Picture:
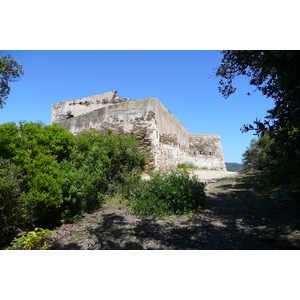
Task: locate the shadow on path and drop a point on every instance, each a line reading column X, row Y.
column 235, row 216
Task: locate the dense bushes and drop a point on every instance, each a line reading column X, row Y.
column 100, row 165
column 167, row 193
column 11, row 200
column 280, row 167
column 257, row 155
column 33, row 240
column 47, row 174
column 284, row 170
column 276, row 74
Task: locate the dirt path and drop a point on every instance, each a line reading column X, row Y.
column 232, row 218
column 210, row 176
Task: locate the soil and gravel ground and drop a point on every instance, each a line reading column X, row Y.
column 233, row 217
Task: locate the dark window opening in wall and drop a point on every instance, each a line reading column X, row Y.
column 69, row 115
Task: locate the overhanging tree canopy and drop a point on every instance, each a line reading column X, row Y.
column 10, row 71
column 276, row 74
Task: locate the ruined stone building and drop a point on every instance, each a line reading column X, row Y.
column 154, row 125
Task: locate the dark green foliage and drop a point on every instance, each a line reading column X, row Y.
column 43, row 189
column 11, row 204
column 47, row 174
column 167, row 193
column 102, row 164
column 276, row 74
column 257, row 155
column 10, row 71
column 33, row 240
column 37, row 151
column 285, row 167
column 281, row 171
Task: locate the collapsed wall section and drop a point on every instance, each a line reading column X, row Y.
column 76, row 107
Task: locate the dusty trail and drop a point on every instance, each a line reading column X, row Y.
column 232, row 218
column 210, row 176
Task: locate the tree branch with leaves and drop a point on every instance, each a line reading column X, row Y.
column 276, row 74
column 10, row 71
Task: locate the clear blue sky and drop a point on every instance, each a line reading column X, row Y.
column 181, row 80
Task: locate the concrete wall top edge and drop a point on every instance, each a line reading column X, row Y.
column 159, row 103
column 204, row 135
column 88, row 97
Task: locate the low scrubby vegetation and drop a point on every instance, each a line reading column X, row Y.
column 266, row 156
column 33, row 240
column 187, row 165
column 49, row 176
column 175, row 192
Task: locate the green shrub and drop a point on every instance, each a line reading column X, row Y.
column 47, row 174
column 43, row 190
column 187, row 165
column 102, row 165
column 11, row 204
column 167, row 193
column 277, row 155
column 33, row 240
column 257, row 155
column 182, row 166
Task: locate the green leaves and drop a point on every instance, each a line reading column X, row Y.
column 11, row 200
column 48, row 174
column 33, row 240
column 102, row 163
column 257, row 156
column 167, row 193
column 276, row 74
column 10, row 71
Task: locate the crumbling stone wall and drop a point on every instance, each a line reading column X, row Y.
column 133, row 117
column 158, row 131
column 206, row 151
column 76, row 107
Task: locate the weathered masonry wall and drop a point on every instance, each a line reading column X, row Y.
column 206, row 151
column 73, row 108
column 157, row 129
column 136, row 117
column 173, row 138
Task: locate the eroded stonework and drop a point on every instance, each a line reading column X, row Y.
column 152, row 124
